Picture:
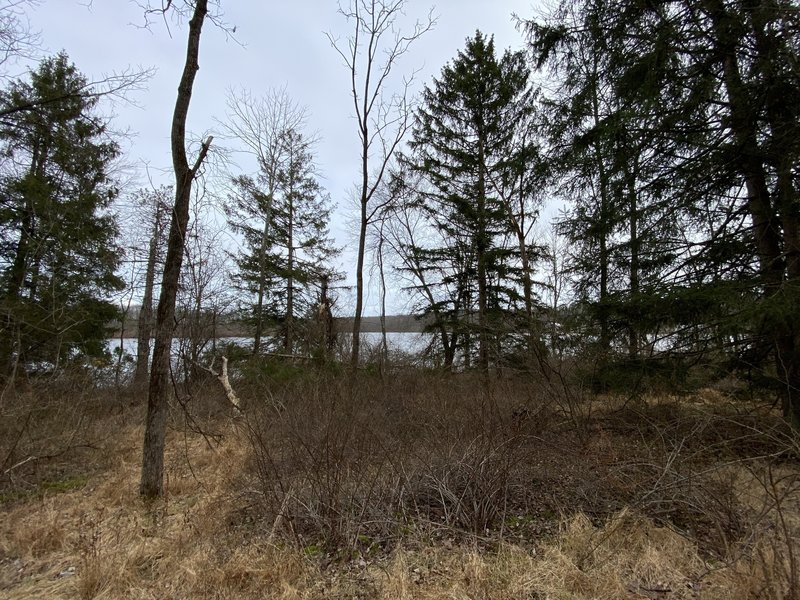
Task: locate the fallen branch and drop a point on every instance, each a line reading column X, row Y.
column 292, row 356
column 20, row 463
column 222, row 377
column 33, row 457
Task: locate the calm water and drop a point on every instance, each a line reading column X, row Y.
column 403, row 342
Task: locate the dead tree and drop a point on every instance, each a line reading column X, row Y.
column 155, row 246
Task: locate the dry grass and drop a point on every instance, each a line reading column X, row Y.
column 400, row 492
column 103, row 542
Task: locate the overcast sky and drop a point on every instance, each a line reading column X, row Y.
column 278, row 43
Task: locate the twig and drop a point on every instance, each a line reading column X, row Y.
column 280, row 518
column 20, row 463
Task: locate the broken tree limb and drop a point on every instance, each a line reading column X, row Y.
column 281, row 518
column 201, row 157
column 222, row 377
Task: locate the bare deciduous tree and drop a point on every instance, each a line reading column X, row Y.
column 370, row 54
column 203, row 295
column 18, row 40
column 433, row 289
column 151, row 207
column 16, row 37
column 556, row 274
column 519, row 192
column 152, row 480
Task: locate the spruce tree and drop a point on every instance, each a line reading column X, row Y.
column 300, row 233
column 58, row 242
column 249, row 213
column 609, row 165
column 463, row 147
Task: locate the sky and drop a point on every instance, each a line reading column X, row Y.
column 276, row 44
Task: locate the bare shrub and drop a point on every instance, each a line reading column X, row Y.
column 350, row 467
column 467, row 485
column 48, row 422
column 324, row 464
column 412, row 484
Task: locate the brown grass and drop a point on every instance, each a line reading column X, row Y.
column 418, row 487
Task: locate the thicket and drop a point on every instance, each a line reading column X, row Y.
column 340, row 474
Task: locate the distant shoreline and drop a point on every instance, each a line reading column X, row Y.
column 394, row 324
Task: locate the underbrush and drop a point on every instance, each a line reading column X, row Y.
column 411, row 485
column 53, row 432
column 415, row 460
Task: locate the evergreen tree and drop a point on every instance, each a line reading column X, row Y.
column 287, row 254
column 57, row 235
column 301, row 233
column 714, row 83
column 261, row 125
column 249, row 212
column 465, row 150
column 605, row 168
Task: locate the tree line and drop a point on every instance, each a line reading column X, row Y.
column 666, row 131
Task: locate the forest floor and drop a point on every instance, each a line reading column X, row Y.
column 412, row 489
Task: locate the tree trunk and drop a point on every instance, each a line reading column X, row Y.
column 783, row 130
column 382, row 275
column 481, row 247
column 364, row 220
column 602, row 174
column 362, row 239
column 527, row 291
column 450, row 343
column 262, row 267
column 262, row 275
column 327, row 340
column 766, row 223
column 633, row 221
column 18, row 273
column 289, row 324
column 152, row 480
column 145, row 325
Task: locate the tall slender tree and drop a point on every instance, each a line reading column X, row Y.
column 301, row 232
column 152, row 480
column 370, row 55
column 152, row 206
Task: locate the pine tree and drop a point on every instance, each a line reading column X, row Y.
column 287, row 248
column 249, row 212
column 57, row 240
column 261, row 125
column 605, row 169
column 464, row 146
column 301, row 232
